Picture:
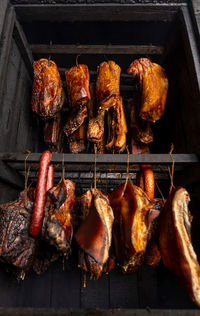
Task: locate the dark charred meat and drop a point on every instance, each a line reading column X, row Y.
column 77, row 80
column 175, row 242
column 118, row 128
column 17, row 247
column 95, row 131
column 59, row 217
column 77, row 140
column 132, row 227
column 95, row 232
column 154, row 87
column 53, row 133
column 47, row 94
column 107, row 87
column 75, row 120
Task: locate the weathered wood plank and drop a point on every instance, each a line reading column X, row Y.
column 96, row 49
column 3, row 8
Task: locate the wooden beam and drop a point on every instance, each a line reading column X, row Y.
column 97, row 49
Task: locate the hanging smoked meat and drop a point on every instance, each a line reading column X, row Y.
column 77, row 140
column 59, row 219
column 77, row 80
column 117, row 127
column 175, row 242
column 154, row 87
column 95, row 232
column 95, row 130
column 17, row 247
column 47, row 94
column 132, row 225
column 107, row 87
column 53, row 133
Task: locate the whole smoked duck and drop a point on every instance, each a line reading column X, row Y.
column 47, row 93
column 154, row 87
column 95, row 232
column 175, row 242
column 132, row 225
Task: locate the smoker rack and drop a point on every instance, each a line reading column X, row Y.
column 149, row 287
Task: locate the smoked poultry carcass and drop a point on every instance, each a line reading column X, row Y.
column 154, row 87
column 175, row 242
column 77, row 80
column 107, row 87
column 134, row 214
column 117, row 128
column 95, row 232
column 59, row 218
column 47, row 94
column 17, row 247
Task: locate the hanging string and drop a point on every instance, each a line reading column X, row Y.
column 127, row 171
column 26, row 174
column 171, row 172
column 77, row 56
column 95, row 166
column 162, row 196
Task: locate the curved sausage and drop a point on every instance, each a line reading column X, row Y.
column 50, row 177
column 40, row 194
column 149, row 181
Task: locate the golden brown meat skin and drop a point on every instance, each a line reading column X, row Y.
column 154, row 87
column 175, row 242
column 131, row 228
column 47, row 94
column 107, row 87
column 95, row 232
column 75, row 120
column 118, row 128
column 77, row 140
column 77, row 80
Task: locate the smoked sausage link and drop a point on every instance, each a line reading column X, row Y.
column 40, row 195
column 50, row 177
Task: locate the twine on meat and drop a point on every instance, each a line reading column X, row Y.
column 162, row 196
column 77, row 56
column 127, row 171
column 50, row 44
column 26, row 173
column 171, row 172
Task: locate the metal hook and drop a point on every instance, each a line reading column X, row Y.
column 50, row 44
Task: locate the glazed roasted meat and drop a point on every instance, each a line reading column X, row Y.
column 175, row 242
column 53, row 133
column 132, row 225
column 17, row 247
column 95, row 232
column 59, row 219
column 77, row 80
column 118, row 128
column 75, row 120
column 154, row 87
column 107, row 87
column 47, row 94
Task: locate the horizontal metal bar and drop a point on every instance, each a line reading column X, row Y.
column 97, row 49
column 107, row 159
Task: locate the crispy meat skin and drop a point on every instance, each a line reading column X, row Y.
column 154, row 87
column 47, row 94
column 77, row 80
column 107, row 87
column 17, row 247
column 175, row 242
column 59, row 216
column 131, row 228
column 53, row 133
column 95, row 232
column 118, row 128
